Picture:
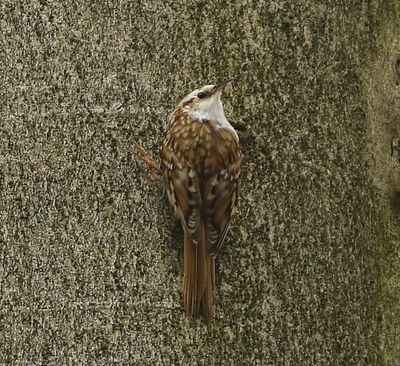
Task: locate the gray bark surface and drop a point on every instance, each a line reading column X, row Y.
column 90, row 251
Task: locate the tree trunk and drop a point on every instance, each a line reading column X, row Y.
column 91, row 255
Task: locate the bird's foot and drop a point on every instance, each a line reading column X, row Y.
column 152, row 166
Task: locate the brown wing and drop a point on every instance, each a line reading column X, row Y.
column 181, row 179
column 222, row 190
column 183, row 191
column 220, row 213
column 201, row 168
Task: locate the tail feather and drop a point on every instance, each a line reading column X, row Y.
column 198, row 282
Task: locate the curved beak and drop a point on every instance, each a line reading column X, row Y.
column 221, row 86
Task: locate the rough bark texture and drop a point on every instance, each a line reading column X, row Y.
column 91, row 254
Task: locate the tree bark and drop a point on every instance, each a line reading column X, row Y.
column 91, row 255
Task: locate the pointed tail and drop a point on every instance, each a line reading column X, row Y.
column 198, row 281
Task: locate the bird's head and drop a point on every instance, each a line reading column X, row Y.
column 205, row 102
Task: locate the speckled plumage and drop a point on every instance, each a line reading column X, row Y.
column 201, row 163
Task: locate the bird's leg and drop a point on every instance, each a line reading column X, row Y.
column 152, row 166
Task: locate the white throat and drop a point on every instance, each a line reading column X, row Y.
column 211, row 109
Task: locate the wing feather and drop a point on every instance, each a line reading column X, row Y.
column 202, row 175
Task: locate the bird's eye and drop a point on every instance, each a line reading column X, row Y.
column 201, row 95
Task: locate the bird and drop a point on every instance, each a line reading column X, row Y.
column 201, row 163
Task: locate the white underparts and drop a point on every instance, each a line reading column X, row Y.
column 211, row 109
